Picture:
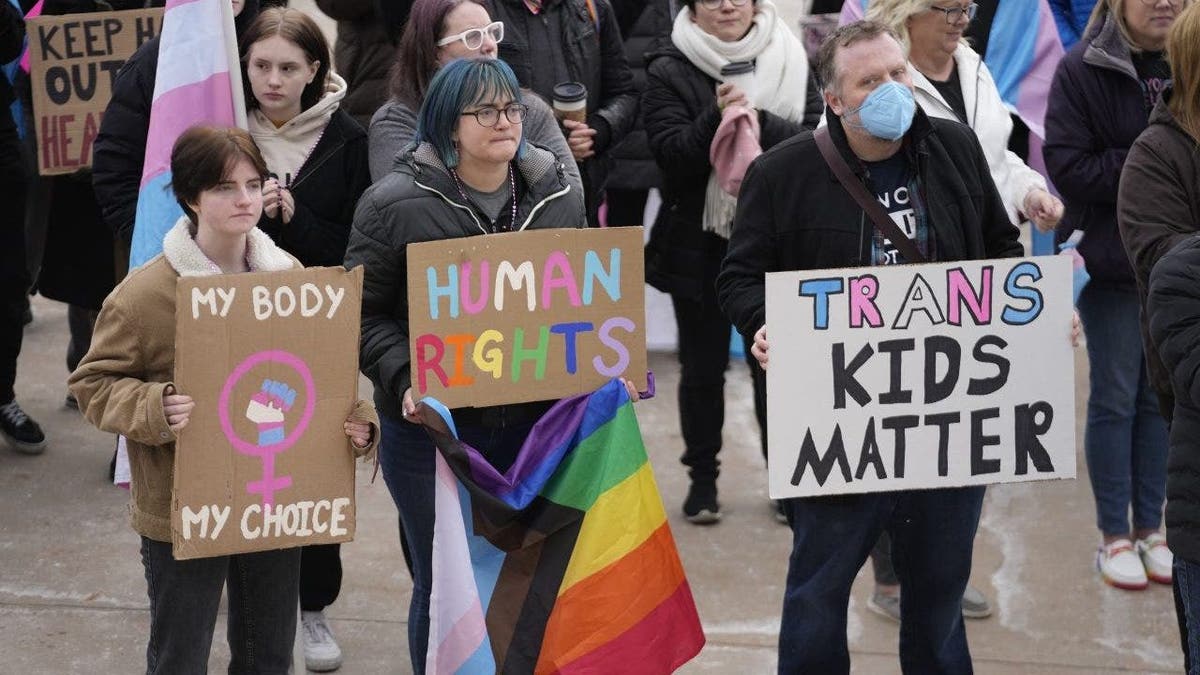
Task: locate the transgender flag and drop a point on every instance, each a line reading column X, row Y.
column 198, row 81
column 565, row 563
column 1023, row 51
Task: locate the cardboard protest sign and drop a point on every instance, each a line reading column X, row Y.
column 526, row 316
column 920, row 376
column 271, row 360
column 73, row 60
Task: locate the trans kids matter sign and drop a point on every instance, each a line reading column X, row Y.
column 271, row 360
column 920, row 376
column 526, row 316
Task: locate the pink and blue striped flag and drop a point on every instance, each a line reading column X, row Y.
column 198, row 81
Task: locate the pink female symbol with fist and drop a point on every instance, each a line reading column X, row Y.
column 268, row 408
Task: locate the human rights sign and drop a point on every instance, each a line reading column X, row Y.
column 526, row 316
column 271, row 360
column 920, row 376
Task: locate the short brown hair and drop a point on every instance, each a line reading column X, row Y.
column 297, row 28
column 844, row 36
column 203, row 156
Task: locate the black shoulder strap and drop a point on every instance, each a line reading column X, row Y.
column 869, row 204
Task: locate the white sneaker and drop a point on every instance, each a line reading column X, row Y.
column 1120, row 566
column 321, row 651
column 1156, row 557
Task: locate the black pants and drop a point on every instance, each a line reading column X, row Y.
column 320, row 576
column 184, row 598
column 81, row 321
column 14, row 276
column 703, row 358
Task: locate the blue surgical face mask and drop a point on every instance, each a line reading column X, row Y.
column 887, row 112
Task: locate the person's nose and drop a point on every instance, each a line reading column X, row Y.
column 246, row 195
column 502, row 123
column 489, row 46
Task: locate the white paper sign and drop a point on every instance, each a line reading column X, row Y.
column 920, row 376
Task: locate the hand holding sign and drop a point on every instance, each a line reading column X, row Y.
column 759, row 348
column 177, row 408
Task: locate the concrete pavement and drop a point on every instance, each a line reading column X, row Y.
column 73, row 599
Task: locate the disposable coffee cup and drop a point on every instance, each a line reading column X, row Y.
column 570, row 101
column 741, row 74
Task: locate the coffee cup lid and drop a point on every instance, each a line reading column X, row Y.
column 569, row 92
column 737, row 68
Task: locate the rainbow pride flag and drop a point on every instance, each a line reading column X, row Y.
column 566, row 563
column 198, row 81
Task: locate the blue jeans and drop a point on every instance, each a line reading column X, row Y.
column 185, row 594
column 1125, row 440
column 933, row 534
column 406, row 456
column 1186, row 580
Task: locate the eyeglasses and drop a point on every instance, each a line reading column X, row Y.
column 473, row 37
column 716, row 4
column 955, row 14
column 488, row 116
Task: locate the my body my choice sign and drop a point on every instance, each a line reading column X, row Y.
column 271, row 360
column 920, row 376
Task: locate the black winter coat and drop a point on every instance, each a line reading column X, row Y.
column 363, row 54
column 120, row 148
column 565, row 43
column 681, row 116
column 1173, row 310
column 1158, row 207
column 633, row 164
column 793, row 214
column 419, row 201
column 1095, row 112
column 326, row 191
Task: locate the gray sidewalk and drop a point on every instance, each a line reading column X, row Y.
column 73, row 600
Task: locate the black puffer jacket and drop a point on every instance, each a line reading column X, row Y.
column 326, row 190
column 1173, row 311
column 419, row 201
column 633, row 164
column 793, row 214
column 120, row 148
column 565, row 43
column 681, row 116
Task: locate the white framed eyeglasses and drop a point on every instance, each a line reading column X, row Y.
column 472, row 38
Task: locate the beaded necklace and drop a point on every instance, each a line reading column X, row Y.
column 512, row 186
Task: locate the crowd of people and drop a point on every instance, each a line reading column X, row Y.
column 441, row 119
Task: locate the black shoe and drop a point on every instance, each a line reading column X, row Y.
column 701, row 507
column 21, row 432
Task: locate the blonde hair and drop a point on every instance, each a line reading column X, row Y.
column 1183, row 53
column 895, row 14
column 1105, row 8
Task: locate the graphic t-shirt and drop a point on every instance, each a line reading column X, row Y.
column 889, row 182
column 1154, row 73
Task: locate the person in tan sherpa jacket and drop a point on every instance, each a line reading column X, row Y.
column 124, row 386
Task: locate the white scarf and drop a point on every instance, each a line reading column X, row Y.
column 780, row 74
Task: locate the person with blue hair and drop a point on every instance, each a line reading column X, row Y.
column 469, row 172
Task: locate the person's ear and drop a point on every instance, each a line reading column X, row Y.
column 833, row 102
column 312, row 70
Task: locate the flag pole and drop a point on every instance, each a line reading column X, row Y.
column 235, row 67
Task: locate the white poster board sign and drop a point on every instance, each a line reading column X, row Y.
column 920, row 376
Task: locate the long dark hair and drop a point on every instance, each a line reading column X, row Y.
column 295, row 27
column 417, row 53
